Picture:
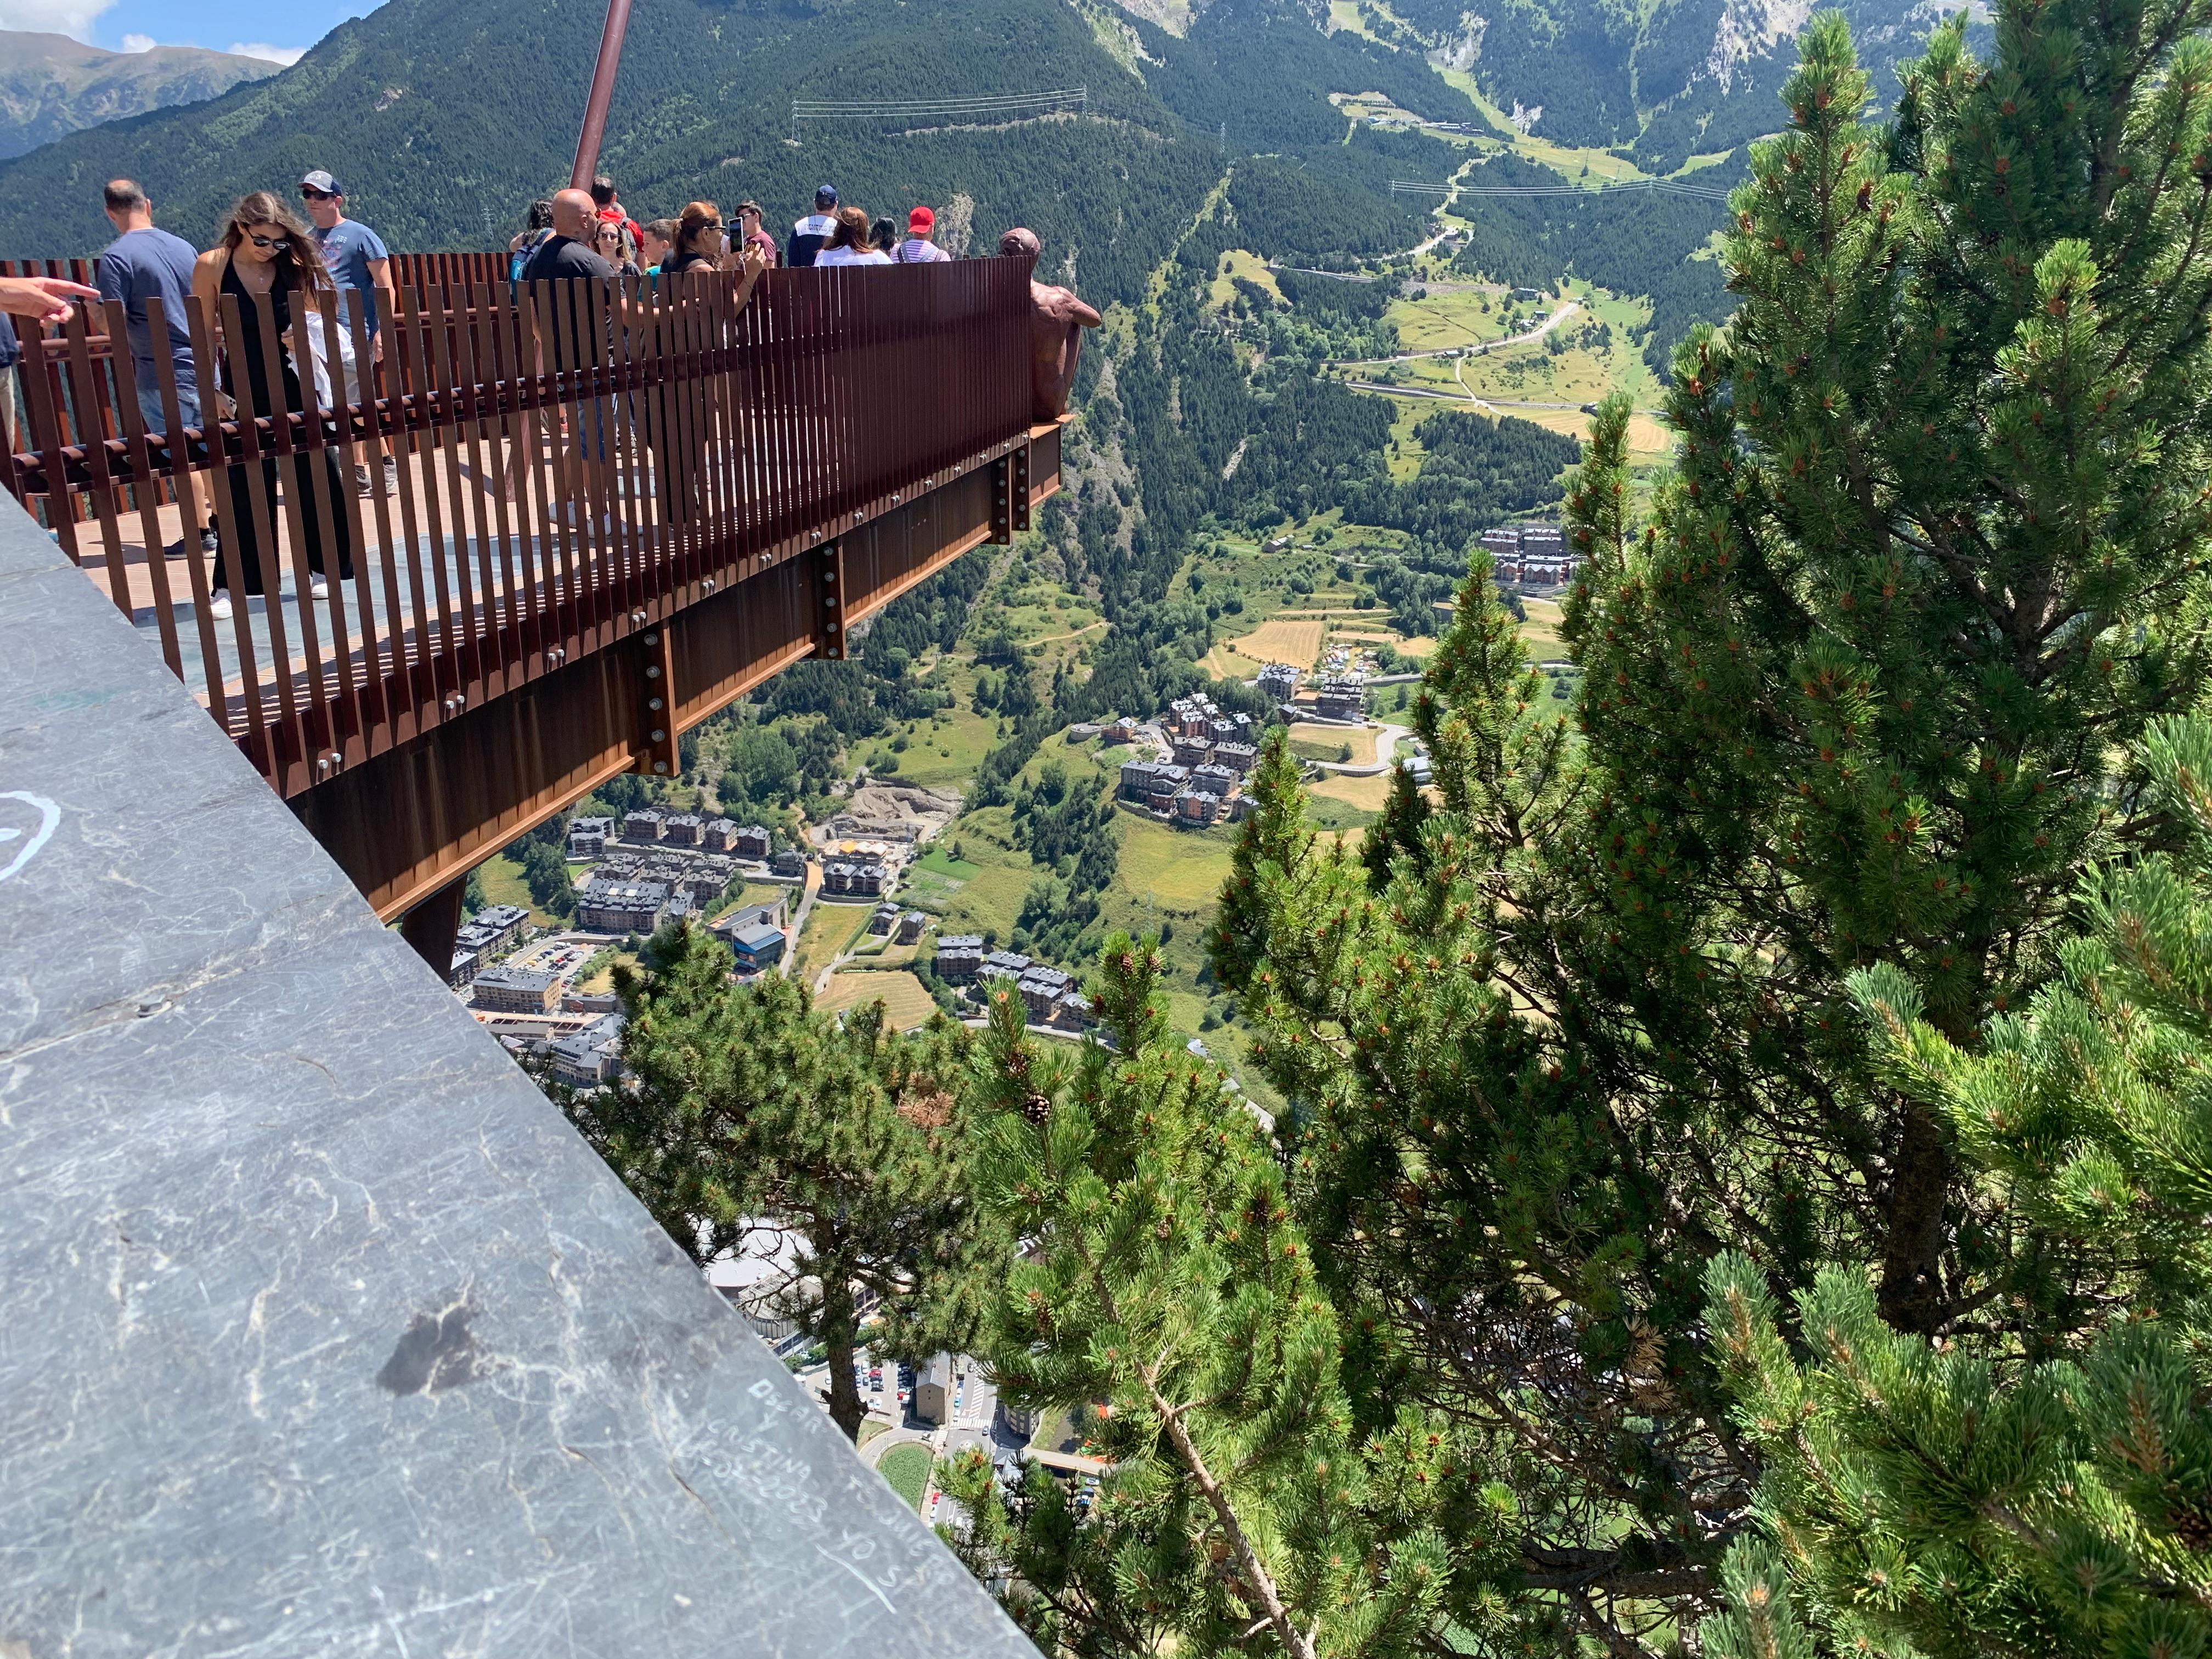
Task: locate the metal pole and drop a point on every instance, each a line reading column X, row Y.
column 603, row 89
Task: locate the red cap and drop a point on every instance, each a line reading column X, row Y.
column 921, row 222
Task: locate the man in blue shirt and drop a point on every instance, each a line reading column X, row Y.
column 359, row 264
column 144, row 264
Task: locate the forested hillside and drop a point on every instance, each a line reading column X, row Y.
column 446, row 120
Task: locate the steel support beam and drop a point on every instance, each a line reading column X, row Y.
column 602, row 93
column 432, row 925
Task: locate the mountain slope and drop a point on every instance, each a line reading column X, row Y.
column 446, row 119
column 1670, row 79
column 52, row 85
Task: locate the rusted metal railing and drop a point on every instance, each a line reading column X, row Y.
column 571, row 458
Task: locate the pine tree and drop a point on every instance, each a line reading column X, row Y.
column 1397, row 833
column 1167, row 1300
column 1930, row 1500
column 744, row 1112
column 1860, row 678
column 546, row 873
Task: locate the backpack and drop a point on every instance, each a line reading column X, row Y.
column 520, row 259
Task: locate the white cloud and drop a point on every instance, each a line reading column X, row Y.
column 287, row 56
column 139, row 43
column 73, row 17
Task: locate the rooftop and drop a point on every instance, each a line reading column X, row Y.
column 516, row 978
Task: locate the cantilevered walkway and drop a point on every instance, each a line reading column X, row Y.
column 620, row 507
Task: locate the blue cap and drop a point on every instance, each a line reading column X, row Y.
column 826, row 196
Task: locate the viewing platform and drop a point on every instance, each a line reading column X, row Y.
column 618, row 506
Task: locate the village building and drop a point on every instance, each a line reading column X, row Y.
column 959, row 958
column 757, row 947
column 505, row 990
column 622, row 907
column 588, row 1058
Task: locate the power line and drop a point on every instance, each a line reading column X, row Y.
column 1664, row 186
column 1021, row 105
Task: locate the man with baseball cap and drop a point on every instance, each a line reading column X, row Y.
column 918, row 249
column 359, row 264
column 808, row 235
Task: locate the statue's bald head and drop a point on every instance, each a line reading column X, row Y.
column 572, row 212
column 1020, row 241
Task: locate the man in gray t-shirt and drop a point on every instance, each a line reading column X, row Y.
column 361, row 265
column 142, row 263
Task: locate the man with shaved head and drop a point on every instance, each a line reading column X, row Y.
column 570, row 339
column 1057, row 319
column 566, row 254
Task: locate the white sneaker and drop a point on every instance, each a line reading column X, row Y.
column 319, row 586
column 219, row 604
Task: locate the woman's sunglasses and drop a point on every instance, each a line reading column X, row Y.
column 280, row 243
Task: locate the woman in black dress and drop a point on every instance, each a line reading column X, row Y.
column 268, row 260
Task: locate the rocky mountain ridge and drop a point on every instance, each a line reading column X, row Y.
column 52, row 85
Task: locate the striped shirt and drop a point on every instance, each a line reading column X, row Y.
column 920, row 251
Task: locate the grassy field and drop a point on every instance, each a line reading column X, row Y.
column 1238, row 262
column 1417, row 645
column 900, row 993
column 1174, row 868
column 830, row 929
column 945, row 749
column 1333, row 738
column 907, row 1468
column 1541, row 633
column 1515, row 380
column 993, row 901
column 602, row 979
column 1294, row 641
column 1449, row 315
column 1363, row 794
column 503, row 885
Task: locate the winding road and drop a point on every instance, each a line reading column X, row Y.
column 1572, row 307
column 1384, row 741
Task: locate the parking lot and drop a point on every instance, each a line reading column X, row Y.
column 562, row 957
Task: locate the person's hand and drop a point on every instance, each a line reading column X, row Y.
column 45, row 298
column 376, row 347
column 752, row 261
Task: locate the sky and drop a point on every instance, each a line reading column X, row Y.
column 280, row 30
